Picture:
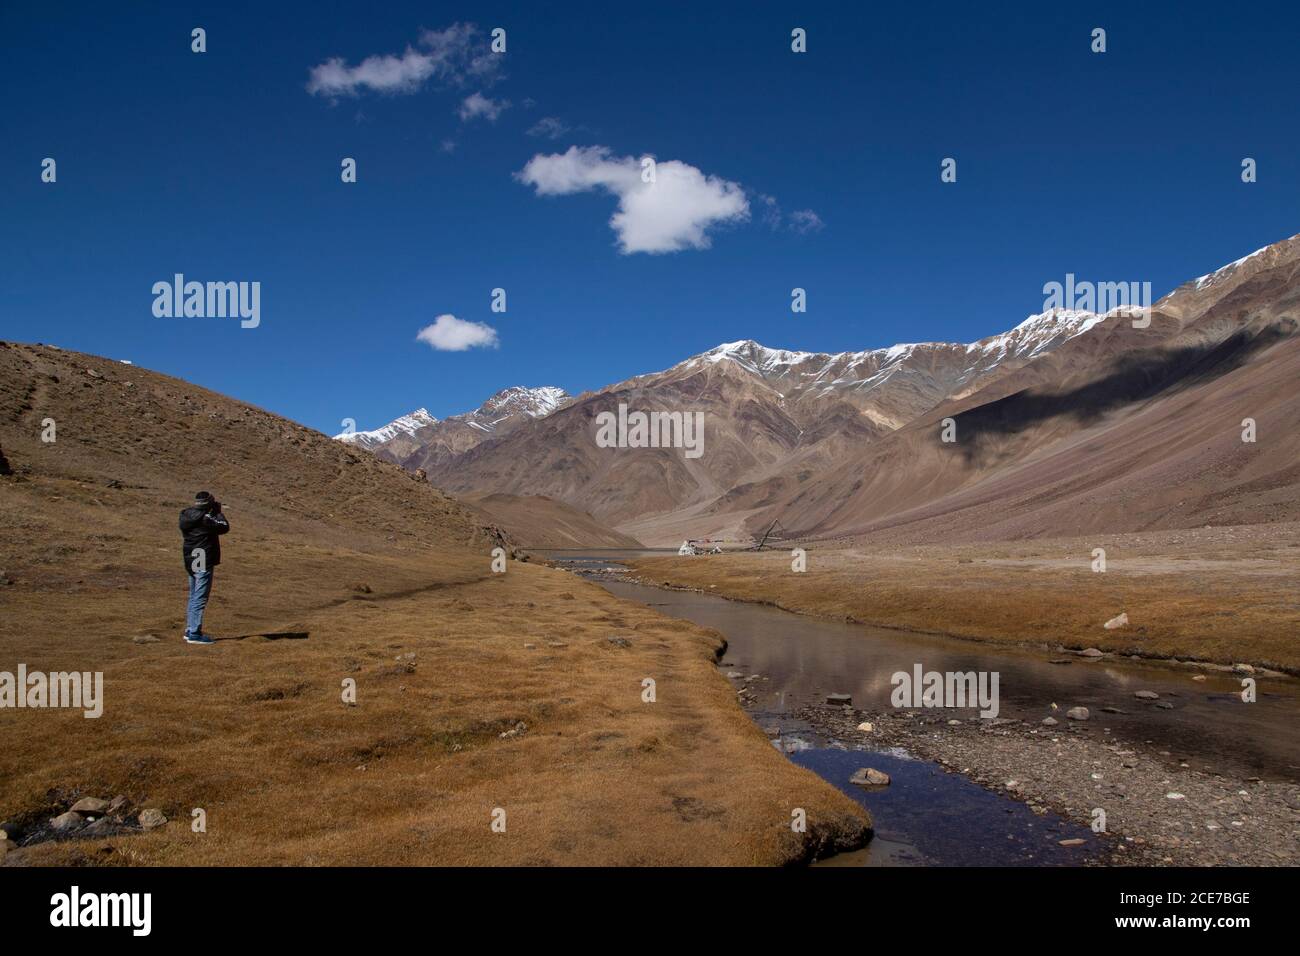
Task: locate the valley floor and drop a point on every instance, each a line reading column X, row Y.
column 1222, row 595
column 475, row 692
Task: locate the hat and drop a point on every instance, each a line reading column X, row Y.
column 203, row 496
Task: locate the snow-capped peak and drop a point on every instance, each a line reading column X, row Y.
column 518, row 399
column 406, row 425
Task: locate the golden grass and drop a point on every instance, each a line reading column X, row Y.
column 1220, row 595
column 255, row 732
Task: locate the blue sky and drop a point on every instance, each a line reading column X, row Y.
column 1120, row 166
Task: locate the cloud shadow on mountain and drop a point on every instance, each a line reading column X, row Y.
column 1135, row 378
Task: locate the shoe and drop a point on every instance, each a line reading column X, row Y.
column 198, row 639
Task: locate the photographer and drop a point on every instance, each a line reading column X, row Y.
column 202, row 524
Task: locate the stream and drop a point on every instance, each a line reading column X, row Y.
column 931, row 817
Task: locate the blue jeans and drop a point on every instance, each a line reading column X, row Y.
column 200, row 588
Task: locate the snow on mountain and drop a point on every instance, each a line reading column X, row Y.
column 506, row 406
column 517, row 400
column 406, row 425
column 1035, row 336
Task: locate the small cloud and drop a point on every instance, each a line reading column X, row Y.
column 448, row 146
column 672, row 213
column 548, row 127
column 804, row 221
column 476, row 105
column 458, row 55
column 450, row 334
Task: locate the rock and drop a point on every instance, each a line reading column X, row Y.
column 1077, row 713
column 870, row 777
column 619, row 641
column 1113, row 710
column 151, row 819
column 361, row 588
column 735, row 675
column 66, row 822
column 1242, row 669
column 1090, row 652
column 1164, row 705
column 146, row 639
column 1198, row 677
column 1116, row 622
column 1146, row 695
column 839, row 698
column 101, row 827
column 118, row 804
column 866, row 726
column 1176, row 796
column 1049, row 721
column 1073, row 841
column 93, row 805
column 6, row 846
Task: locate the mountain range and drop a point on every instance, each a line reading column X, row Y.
column 1070, row 422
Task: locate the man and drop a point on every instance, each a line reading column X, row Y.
column 201, row 527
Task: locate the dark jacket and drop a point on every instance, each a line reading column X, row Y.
column 201, row 526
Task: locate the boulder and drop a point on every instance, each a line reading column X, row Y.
column 151, row 818
column 870, row 777
column 1146, row 695
column 67, row 822
column 1077, row 713
column 1090, row 652
column 94, row 805
column 839, row 699
column 1116, row 622
column 1049, row 721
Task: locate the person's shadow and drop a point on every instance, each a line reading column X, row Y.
column 269, row 635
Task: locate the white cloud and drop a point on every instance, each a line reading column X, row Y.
column 456, row 55
column 804, row 221
column 476, row 105
column 450, row 334
column 548, row 127
column 672, row 213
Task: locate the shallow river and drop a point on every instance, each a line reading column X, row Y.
column 927, row 816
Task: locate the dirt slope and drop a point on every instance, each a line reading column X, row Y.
column 535, row 521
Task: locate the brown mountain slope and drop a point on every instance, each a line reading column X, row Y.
column 535, row 521
column 1118, row 430
column 474, row 690
column 767, row 412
